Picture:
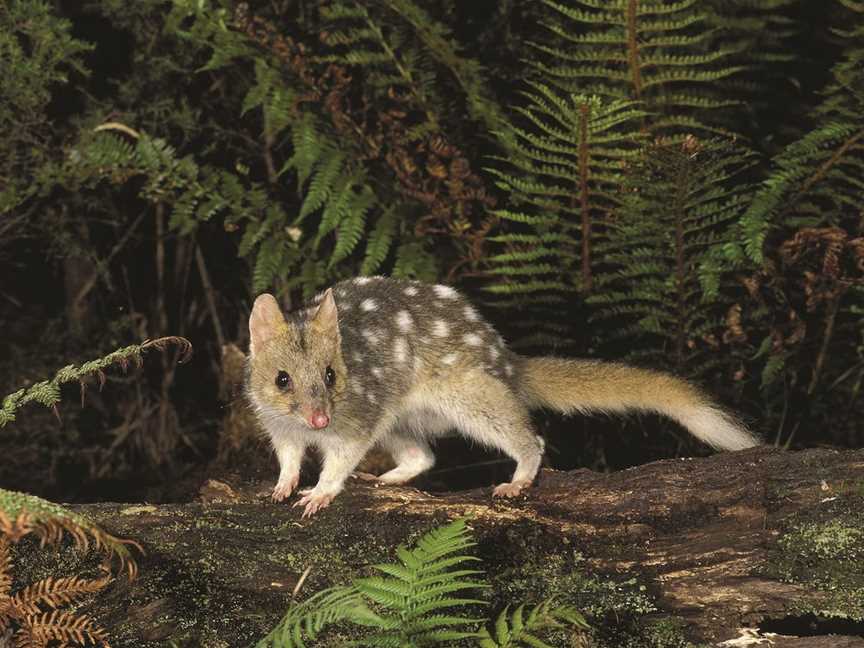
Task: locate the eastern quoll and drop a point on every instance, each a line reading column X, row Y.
column 397, row 363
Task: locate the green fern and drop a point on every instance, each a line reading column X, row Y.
column 411, row 603
column 568, row 161
column 398, row 49
column 22, row 514
column 415, row 260
column 391, row 63
column 470, row 75
column 419, row 602
column 816, row 180
column 680, row 200
column 651, row 51
column 379, row 243
column 517, row 629
column 338, row 201
column 37, row 53
column 759, row 34
column 47, row 392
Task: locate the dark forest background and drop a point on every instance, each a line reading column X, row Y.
column 675, row 184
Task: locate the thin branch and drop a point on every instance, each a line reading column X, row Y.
column 91, row 281
column 211, row 296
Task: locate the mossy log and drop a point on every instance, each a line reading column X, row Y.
column 728, row 547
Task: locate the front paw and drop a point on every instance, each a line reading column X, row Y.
column 510, row 489
column 313, row 501
column 285, row 487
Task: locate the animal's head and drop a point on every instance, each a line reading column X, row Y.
column 295, row 366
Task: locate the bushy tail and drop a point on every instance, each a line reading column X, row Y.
column 592, row 386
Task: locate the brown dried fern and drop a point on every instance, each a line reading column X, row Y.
column 54, row 592
column 33, row 610
column 22, row 515
column 40, row 630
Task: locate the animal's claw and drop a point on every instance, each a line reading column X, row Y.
column 313, row 502
column 510, row 489
column 284, row 488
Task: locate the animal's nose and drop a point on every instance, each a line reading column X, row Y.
column 319, row 420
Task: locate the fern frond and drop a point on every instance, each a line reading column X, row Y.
column 350, row 230
column 680, row 203
column 380, row 242
column 413, row 594
column 271, row 259
column 54, row 592
column 22, row 514
column 651, row 52
column 65, row 627
column 816, row 179
column 47, row 392
column 305, row 621
column 517, row 629
column 569, row 159
column 328, row 169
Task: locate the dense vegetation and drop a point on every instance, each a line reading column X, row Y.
column 674, row 183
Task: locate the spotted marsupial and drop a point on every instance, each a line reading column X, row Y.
column 398, row 363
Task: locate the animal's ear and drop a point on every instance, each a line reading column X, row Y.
column 265, row 321
column 325, row 321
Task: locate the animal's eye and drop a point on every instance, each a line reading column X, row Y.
column 284, row 382
column 329, row 377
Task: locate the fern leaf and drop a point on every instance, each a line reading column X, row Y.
column 351, row 228
column 380, row 242
column 328, row 169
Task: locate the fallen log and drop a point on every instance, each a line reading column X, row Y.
column 732, row 548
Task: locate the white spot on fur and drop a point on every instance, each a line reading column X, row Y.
column 400, row 350
column 445, row 292
column 450, row 359
column 376, row 371
column 411, row 291
column 368, row 305
column 357, row 388
column 362, row 281
column 508, row 369
column 440, row 328
column 404, row 321
column 494, row 353
column 356, row 357
column 470, row 314
column 371, row 398
column 472, row 339
column 372, row 336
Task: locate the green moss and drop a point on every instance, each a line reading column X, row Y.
column 563, row 577
column 823, row 549
column 622, row 612
column 668, row 632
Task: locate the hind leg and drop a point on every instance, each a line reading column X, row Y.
column 412, row 456
column 485, row 409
